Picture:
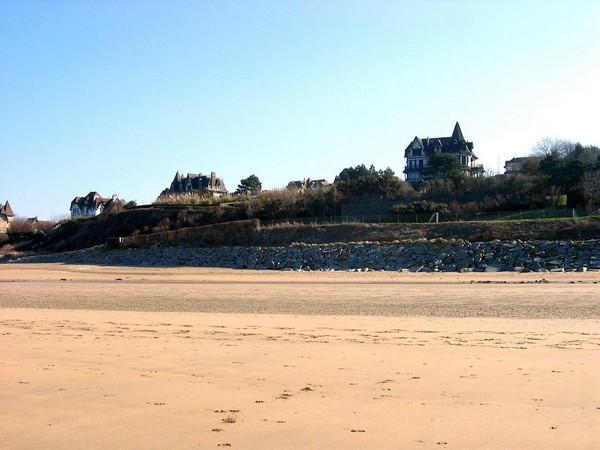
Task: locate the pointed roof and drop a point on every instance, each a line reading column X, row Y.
column 6, row 209
column 457, row 133
column 447, row 144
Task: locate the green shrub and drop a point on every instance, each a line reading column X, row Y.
column 420, row 207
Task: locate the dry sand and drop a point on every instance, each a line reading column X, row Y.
column 107, row 357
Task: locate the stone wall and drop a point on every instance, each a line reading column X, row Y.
column 439, row 255
column 238, row 230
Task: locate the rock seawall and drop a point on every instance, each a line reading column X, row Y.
column 436, row 255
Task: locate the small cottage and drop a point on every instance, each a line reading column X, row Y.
column 521, row 165
column 91, row 205
column 6, row 217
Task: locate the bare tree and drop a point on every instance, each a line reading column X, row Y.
column 590, row 185
column 25, row 225
column 547, row 146
column 20, row 225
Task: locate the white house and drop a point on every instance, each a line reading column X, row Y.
column 521, row 164
column 91, row 205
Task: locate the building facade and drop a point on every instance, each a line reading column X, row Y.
column 6, row 217
column 91, row 205
column 521, row 165
column 419, row 151
column 195, row 182
column 308, row 185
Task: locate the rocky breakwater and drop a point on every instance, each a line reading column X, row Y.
column 437, row 255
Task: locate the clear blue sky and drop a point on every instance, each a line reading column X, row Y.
column 116, row 96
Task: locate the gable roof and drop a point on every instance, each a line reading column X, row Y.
column 6, row 209
column 92, row 200
column 448, row 144
column 195, row 182
column 522, row 159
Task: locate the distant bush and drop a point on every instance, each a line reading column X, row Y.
column 289, row 204
column 24, row 225
column 199, row 198
column 20, row 225
column 369, row 184
column 420, row 207
column 276, row 204
column 487, row 204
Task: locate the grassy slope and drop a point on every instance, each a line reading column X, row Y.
column 471, row 231
column 86, row 233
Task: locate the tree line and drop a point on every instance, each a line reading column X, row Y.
column 556, row 173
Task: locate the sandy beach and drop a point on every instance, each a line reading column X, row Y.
column 113, row 357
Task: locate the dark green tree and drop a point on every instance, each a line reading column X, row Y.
column 589, row 154
column 563, row 173
column 361, row 183
column 442, row 165
column 389, row 184
column 250, row 185
column 357, row 181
